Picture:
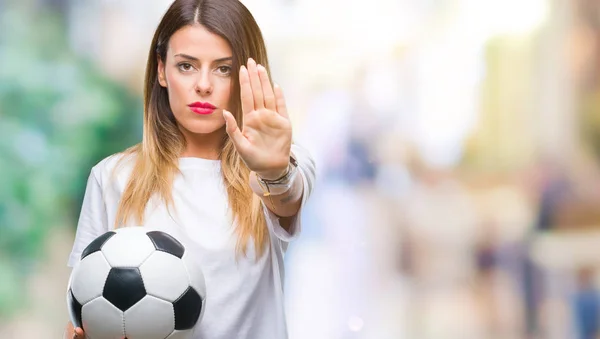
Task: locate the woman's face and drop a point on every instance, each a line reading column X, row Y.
column 197, row 76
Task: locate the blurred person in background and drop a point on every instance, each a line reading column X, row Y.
column 486, row 258
column 237, row 192
column 586, row 305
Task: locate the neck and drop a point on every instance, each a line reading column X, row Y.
column 205, row 146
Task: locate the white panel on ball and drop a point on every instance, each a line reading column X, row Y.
column 127, row 248
column 89, row 277
column 150, row 318
column 160, row 265
column 181, row 334
column 196, row 275
column 101, row 320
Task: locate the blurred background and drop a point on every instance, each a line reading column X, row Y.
column 457, row 143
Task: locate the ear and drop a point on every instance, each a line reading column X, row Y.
column 162, row 80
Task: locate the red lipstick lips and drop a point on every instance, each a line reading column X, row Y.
column 203, row 108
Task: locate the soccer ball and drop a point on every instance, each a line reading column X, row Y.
column 136, row 284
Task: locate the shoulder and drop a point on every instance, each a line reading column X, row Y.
column 115, row 168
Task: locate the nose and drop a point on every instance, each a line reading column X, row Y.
column 204, row 84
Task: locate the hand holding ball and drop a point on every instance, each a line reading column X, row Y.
column 136, row 284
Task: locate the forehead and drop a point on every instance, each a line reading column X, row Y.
column 198, row 42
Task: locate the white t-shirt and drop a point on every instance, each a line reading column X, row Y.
column 244, row 296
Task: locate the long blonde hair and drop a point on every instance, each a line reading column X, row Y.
column 156, row 157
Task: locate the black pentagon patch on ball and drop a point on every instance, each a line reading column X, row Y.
column 187, row 310
column 97, row 244
column 75, row 307
column 166, row 243
column 124, row 287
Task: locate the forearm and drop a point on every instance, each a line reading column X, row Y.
column 286, row 204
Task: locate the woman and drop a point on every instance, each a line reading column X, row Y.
column 234, row 192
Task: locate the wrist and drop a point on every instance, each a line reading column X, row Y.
column 261, row 189
column 273, row 174
column 280, row 185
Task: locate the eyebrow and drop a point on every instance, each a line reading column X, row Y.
column 189, row 57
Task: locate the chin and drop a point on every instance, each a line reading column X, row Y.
column 203, row 127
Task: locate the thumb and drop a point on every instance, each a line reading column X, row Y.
column 234, row 132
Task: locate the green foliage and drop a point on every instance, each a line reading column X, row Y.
column 58, row 117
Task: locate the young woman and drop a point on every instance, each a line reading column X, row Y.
column 216, row 166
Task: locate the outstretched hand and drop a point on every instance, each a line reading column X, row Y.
column 265, row 138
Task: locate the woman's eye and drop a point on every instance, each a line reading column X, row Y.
column 224, row 69
column 185, row 67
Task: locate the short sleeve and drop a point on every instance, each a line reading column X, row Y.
column 93, row 220
column 307, row 170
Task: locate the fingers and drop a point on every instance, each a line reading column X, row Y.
column 78, row 334
column 280, row 101
column 246, row 91
column 240, row 142
column 267, row 89
column 257, row 92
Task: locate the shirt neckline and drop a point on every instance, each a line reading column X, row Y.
column 193, row 162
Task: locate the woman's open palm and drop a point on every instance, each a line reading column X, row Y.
column 265, row 138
